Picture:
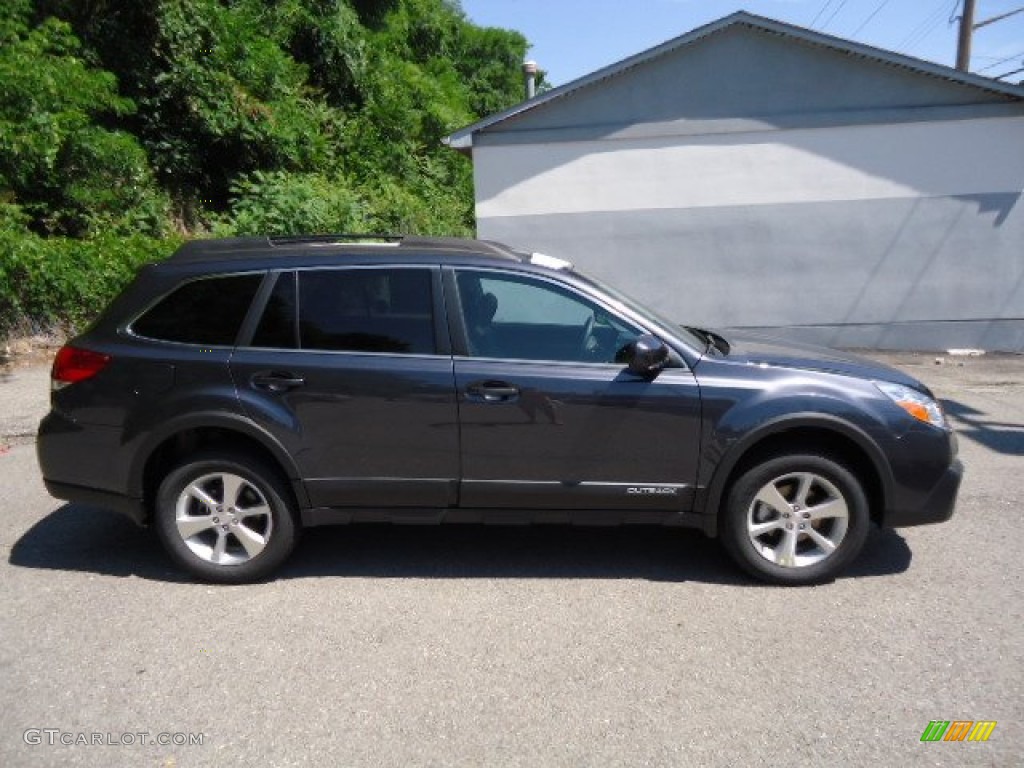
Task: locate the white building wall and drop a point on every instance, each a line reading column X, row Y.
column 897, row 235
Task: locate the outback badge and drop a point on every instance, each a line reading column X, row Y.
column 652, row 490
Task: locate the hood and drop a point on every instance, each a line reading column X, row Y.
column 756, row 349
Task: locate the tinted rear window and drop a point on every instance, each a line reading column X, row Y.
column 206, row 312
column 367, row 310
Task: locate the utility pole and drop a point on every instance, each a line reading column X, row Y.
column 963, row 48
column 967, row 27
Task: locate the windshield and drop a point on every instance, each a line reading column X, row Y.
column 644, row 312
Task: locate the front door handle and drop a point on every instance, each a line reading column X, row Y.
column 492, row 391
column 275, row 381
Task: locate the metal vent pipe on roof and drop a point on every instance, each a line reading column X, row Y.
column 530, row 73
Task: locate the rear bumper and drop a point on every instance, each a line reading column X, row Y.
column 938, row 506
column 84, row 465
column 132, row 508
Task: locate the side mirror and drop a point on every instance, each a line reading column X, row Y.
column 646, row 355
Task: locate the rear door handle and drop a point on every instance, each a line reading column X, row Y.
column 275, row 381
column 492, row 391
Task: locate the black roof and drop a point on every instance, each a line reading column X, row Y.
column 224, row 249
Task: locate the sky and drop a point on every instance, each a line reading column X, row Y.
column 571, row 38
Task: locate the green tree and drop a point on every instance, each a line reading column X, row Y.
column 335, row 88
column 278, row 203
column 125, row 119
column 58, row 162
column 223, row 99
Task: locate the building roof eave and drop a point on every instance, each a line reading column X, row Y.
column 462, row 139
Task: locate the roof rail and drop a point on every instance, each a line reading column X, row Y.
column 462, row 244
column 408, row 241
column 241, row 247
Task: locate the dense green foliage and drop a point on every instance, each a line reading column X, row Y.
column 127, row 126
column 58, row 284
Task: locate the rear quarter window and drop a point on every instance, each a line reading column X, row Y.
column 207, row 312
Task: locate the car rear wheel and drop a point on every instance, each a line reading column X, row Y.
column 795, row 519
column 225, row 519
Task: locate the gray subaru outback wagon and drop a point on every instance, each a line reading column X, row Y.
column 245, row 389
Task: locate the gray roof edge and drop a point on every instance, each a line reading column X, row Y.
column 463, row 138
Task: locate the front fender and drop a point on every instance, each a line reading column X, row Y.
column 738, row 416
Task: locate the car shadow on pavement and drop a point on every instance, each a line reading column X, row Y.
column 999, row 436
column 80, row 538
column 77, row 537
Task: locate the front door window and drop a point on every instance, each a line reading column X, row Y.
column 515, row 317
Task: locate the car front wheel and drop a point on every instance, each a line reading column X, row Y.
column 795, row 519
column 225, row 519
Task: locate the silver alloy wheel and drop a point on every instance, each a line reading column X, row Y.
column 797, row 520
column 223, row 518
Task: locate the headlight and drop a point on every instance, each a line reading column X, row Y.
column 917, row 404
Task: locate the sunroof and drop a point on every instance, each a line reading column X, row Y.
column 355, row 239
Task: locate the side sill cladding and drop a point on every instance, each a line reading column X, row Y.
column 434, row 516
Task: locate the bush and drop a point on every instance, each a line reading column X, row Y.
column 63, row 283
column 277, row 203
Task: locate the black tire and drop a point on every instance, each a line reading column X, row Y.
column 239, row 540
column 766, row 539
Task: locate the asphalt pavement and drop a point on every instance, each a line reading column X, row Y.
column 480, row 646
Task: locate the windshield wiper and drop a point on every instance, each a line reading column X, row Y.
column 720, row 342
column 701, row 334
column 710, row 338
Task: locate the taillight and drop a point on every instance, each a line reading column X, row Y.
column 72, row 365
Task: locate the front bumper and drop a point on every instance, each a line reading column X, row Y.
column 938, row 506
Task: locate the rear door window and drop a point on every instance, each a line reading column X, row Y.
column 366, row 310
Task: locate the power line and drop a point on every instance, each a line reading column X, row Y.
column 834, row 13
column 936, row 12
column 1000, row 17
column 995, row 64
column 867, row 21
column 819, row 13
column 952, row 11
column 1007, row 74
column 926, row 27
